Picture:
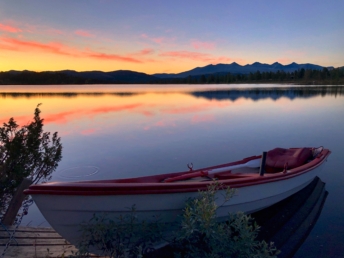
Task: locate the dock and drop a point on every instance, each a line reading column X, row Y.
column 33, row 242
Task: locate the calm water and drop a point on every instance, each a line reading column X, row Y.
column 117, row 131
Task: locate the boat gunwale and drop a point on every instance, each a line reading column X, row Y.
column 121, row 187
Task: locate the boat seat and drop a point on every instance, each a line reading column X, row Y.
column 278, row 157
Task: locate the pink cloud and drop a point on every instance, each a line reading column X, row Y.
column 61, row 49
column 158, row 40
column 115, row 57
column 83, row 33
column 9, row 28
column 146, row 51
column 203, row 45
column 52, row 47
column 143, row 52
column 7, row 47
column 196, row 56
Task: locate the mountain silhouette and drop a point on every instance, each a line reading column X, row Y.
column 131, row 77
column 235, row 68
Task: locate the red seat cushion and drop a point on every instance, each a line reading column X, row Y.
column 277, row 158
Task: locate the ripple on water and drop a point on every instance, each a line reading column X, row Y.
column 78, row 172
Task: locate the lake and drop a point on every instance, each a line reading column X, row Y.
column 117, row 131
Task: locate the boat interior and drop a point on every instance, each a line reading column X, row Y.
column 278, row 160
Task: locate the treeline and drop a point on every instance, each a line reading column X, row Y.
column 302, row 76
column 43, row 78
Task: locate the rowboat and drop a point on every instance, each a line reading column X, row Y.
column 260, row 181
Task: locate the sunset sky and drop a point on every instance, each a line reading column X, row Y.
column 167, row 36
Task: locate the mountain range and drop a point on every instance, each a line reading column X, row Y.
column 124, row 76
column 235, row 68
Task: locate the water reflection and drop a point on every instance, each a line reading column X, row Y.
column 271, row 93
column 78, row 173
column 63, row 94
column 288, row 223
column 219, row 94
column 126, row 133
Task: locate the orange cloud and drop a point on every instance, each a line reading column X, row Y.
column 61, row 49
column 21, row 45
column 83, row 33
column 196, row 56
column 115, row 57
column 9, row 28
column 203, row 45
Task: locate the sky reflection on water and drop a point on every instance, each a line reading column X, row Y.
column 132, row 133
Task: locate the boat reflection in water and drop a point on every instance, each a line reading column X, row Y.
column 289, row 222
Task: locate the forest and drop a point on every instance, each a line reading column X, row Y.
column 303, row 77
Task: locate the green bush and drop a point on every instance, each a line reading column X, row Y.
column 26, row 152
column 201, row 235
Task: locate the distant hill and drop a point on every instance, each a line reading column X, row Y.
column 212, row 74
column 73, row 77
column 235, row 68
column 120, row 76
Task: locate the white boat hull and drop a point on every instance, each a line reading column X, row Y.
column 66, row 213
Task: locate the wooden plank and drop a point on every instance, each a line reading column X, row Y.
column 37, row 243
column 42, row 252
column 28, row 235
column 25, row 229
column 45, row 241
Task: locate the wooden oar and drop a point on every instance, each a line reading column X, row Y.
column 255, row 163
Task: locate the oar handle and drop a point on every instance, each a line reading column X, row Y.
column 225, row 169
column 251, row 164
column 186, row 176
